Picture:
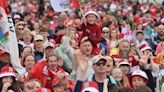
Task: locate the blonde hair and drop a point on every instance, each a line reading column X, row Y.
column 25, row 31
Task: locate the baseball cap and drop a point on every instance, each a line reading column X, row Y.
column 38, row 37
column 98, row 58
column 48, row 44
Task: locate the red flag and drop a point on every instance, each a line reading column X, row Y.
column 4, row 5
column 75, row 4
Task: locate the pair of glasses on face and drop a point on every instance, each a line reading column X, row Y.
column 105, row 32
column 20, row 28
column 102, row 63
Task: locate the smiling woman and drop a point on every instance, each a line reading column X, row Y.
column 45, row 71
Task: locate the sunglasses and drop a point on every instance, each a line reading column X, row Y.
column 102, row 63
column 20, row 28
column 105, row 32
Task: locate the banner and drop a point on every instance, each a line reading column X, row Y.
column 8, row 40
column 64, row 5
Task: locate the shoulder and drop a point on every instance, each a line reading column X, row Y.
column 77, row 52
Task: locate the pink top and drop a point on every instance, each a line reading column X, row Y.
column 159, row 49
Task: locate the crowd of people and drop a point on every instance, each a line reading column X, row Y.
column 103, row 46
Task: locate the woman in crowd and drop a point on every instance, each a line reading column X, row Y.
column 114, row 38
column 8, row 82
column 29, row 63
column 45, row 71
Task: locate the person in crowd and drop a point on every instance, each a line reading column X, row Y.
column 134, row 49
column 122, row 79
column 32, row 85
column 144, row 76
column 28, row 63
column 44, row 32
column 48, row 49
column 140, row 38
column 125, row 67
column 61, row 83
column 36, row 29
column 113, row 37
column 8, row 80
column 109, row 65
column 16, row 18
column 100, row 74
column 142, row 88
column 38, row 47
column 105, row 36
column 158, row 73
column 82, row 59
column 4, row 58
column 65, row 51
column 24, row 52
column 101, row 27
column 124, row 49
column 124, row 89
column 147, row 51
column 46, row 70
column 158, row 38
column 27, row 38
column 19, row 27
column 91, row 29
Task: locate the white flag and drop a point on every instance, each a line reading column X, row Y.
column 64, row 5
column 8, row 40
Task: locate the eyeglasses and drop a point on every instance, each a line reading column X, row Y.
column 20, row 28
column 105, row 32
column 102, row 63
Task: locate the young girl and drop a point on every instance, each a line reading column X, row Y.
column 120, row 77
column 8, row 80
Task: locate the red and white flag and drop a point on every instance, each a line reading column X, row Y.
column 64, row 5
column 8, row 40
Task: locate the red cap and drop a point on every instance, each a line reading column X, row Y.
column 144, row 22
column 7, row 71
column 3, row 52
column 144, row 47
column 123, row 62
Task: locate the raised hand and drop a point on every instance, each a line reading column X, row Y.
column 6, row 86
column 143, row 58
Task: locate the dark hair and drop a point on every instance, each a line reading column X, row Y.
column 142, row 88
column 26, row 57
column 86, row 40
column 113, row 88
column 47, row 57
column 124, row 89
column 14, row 86
column 139, row 33
column 25, row 48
